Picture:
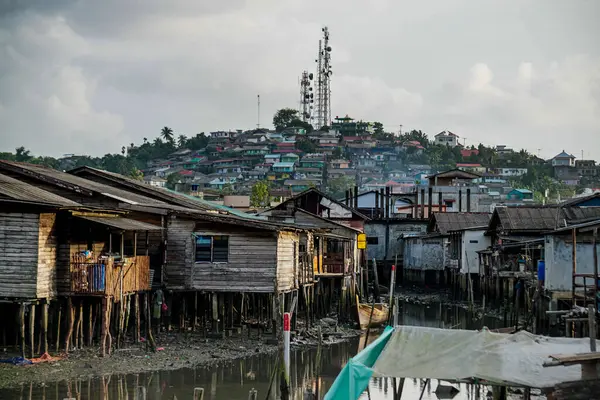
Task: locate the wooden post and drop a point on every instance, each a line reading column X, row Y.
column 58, row 322
column 595, row 250
column 90, row 340
column 22, row 326
column 592, row 327
column 45, row 307
column 574, row 265
column 137, row 317
column 77, row 325
column 32, row 329
column 105, row 325
column 71, row 323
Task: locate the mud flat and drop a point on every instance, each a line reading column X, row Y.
column 177, row 350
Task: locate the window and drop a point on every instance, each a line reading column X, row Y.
column 372, row 240
column 212, row 248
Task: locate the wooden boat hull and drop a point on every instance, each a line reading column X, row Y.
column 380, row 315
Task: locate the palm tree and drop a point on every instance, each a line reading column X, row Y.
column 182, row 140
column 145, row 140
column 157, row 142
column 123, row 150
column 167, row 134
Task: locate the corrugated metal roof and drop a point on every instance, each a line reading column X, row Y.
column 20, row 191
column 523, row 218
column 456, row 221
column 75, row 183
column 164, row 194
column 125, row 224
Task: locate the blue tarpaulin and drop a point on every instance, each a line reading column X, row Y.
column 355, row 376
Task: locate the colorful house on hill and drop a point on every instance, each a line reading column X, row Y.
column 520, row 194
column 290, row 158
column 476, row 168
column 563, row 159
column 283, row 167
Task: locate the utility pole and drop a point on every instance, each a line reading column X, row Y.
column 258, row 111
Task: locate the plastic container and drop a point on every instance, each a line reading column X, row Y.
column 541, row 267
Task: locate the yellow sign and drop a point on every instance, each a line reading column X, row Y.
column 362, row 241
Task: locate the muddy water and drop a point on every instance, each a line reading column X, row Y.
column 236, row 379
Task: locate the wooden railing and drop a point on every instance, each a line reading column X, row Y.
column 105, row 276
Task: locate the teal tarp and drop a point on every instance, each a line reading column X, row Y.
column 355, row 376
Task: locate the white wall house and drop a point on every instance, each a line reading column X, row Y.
column 446, row 138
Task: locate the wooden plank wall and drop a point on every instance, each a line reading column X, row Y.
column 180, row 253
column 47, row 251
column 251, row 265
column 19, row 233
column 287, row 261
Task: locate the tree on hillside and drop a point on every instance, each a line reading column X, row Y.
column 200, row 141
column 283, row 118
column 167, row 134
column 306, row 145
column 182, row 141
column 136, row 174
column 378, row 128
column 227, row 189
column 259, row 196
column 337, row 187
column 172, row 180
column 419, row 136
column 22, row 154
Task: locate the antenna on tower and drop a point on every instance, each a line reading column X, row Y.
column 324, row 72
column 306, row 96
column 258, row 111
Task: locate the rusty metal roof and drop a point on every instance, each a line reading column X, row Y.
column 457, row 221
column 73, row 183
column 528, row 218
column 13, row 189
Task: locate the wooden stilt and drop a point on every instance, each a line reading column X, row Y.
column 90, row 340
column 22, row 328
column 77, row 326
column 45, row 307
column 137, row 317
column 215, row 313
column 32, row 330
column 71, row 322
column 195, row 314
column 58, row 323
column 127, row 314
column 105, row 325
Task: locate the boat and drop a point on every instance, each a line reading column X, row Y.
column 381, row 312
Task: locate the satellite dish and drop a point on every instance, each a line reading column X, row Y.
column 310, row 89
column 329, row 73
column 310, row 76
column 328, row 48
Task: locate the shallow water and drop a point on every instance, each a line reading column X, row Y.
column 236, row 379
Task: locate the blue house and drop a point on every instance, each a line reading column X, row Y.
column 520, row 194
column 592, row 200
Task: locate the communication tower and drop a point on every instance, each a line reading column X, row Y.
column 323, row 104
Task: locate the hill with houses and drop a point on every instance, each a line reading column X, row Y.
column 267, row 165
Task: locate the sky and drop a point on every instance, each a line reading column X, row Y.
column 88, row 76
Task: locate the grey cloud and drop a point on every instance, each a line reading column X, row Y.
column 89, row 76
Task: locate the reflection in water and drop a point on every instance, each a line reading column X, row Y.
column 236, row 379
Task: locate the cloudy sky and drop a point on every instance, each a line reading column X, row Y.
column 88, row 76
